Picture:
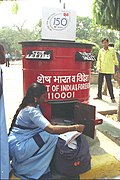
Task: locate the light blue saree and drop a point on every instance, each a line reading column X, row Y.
column 31, row 148
column 4, row 152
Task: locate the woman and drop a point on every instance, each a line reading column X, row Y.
column 32, row 138
column 4, row 152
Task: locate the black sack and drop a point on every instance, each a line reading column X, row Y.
column 72, row 162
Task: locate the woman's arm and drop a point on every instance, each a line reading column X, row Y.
column 59, row 129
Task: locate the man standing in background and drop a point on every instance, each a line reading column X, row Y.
column 118, row 57
column 4, row 152
column 7, row 57
column 106, row 62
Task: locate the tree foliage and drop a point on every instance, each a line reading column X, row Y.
column 86, row 32
column 10, row 37
column 107, row 13
column 15, row 6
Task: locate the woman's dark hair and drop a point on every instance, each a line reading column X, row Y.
column 35, row 90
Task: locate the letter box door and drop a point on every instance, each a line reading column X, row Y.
column 85, row 114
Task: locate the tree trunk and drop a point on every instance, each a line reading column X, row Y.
column 118, row 111
column 117, row 78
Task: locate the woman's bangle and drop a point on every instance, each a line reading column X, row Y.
column 68, row 128
column 76, row 127
column 72, row 128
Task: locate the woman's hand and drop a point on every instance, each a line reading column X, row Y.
column 79, row 127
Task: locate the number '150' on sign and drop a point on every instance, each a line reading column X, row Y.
column 58, row 21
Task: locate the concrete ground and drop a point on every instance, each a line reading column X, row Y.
column 104, row 150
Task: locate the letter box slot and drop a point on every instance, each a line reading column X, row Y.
column 84, row 56
column 62, row 112
column 39, row 55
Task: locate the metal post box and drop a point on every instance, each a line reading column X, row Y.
column 64, row 67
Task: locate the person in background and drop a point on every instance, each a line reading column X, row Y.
column 7, row 57
column 32, row 138
column 118, row 57
column 4, row 151
column 106, row 62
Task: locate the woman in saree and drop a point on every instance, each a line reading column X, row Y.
column 4, row 151
column 32, row 138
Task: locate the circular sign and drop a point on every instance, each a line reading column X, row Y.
column 58, row 21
